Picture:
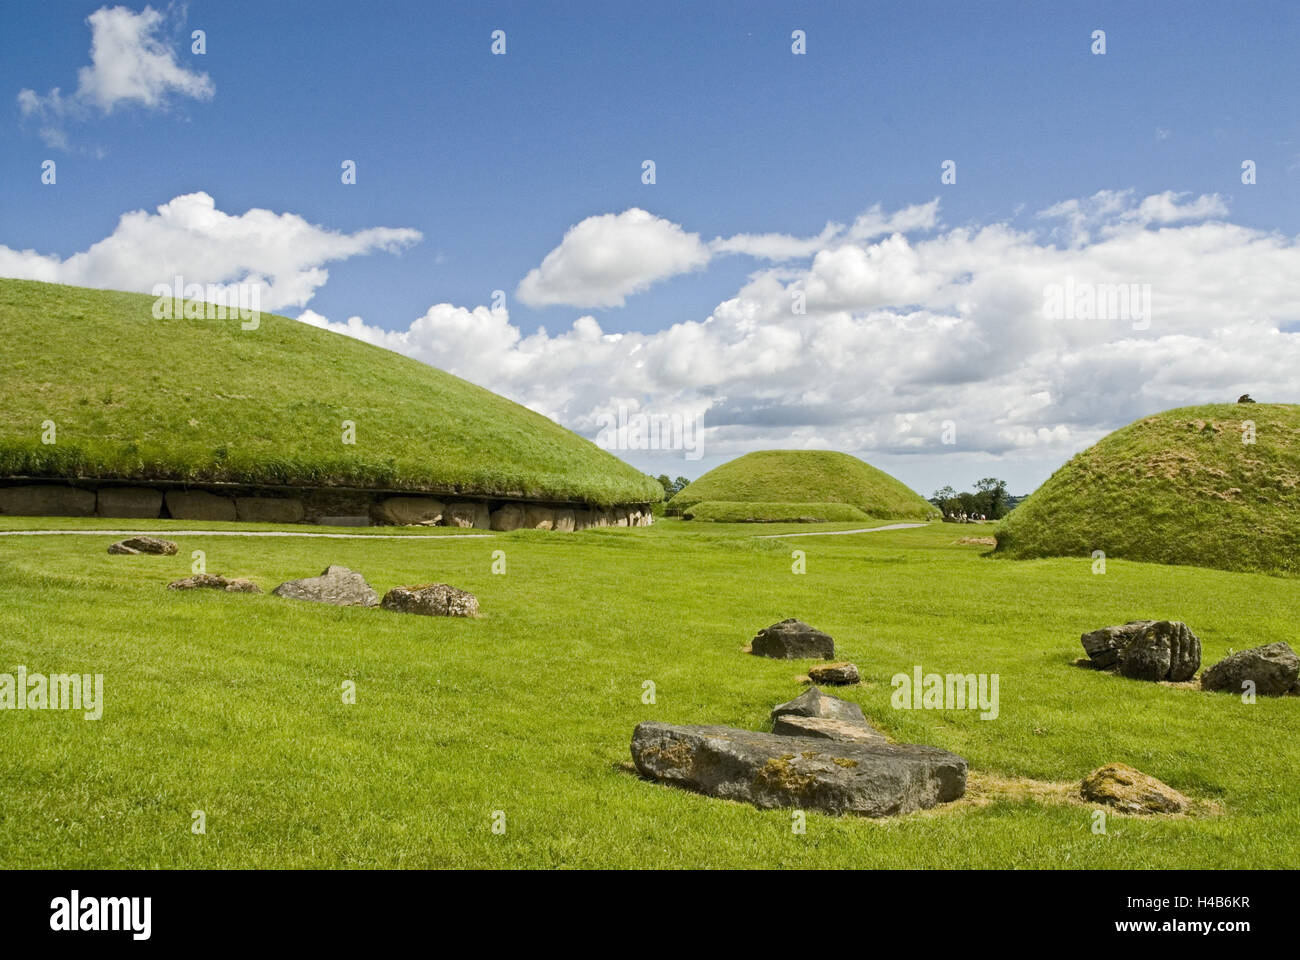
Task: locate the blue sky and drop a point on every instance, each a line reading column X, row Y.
column 493, row 158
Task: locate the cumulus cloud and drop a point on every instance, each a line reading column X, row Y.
column 902, row 337
column 606, row 258
column 130, row 63
column 190, row 237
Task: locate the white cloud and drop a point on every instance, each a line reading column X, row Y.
column 189, row 236
column 604, row 259
column 130, row 63
column 1113, row 210
column 876, row 223
column 776, row 246
column 902, row 335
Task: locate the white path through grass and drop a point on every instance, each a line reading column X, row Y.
column 243, row 533
column 839, row 533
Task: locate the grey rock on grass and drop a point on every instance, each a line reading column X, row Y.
column 336, row 585
column 1103, row 646
column 136, row 545
column 1273, row 668
column 813, row 703
column 793, row 640
column 1163, row 650
column 874, row 779
column 834, row 674
column 793, row 725
column 432, row 600
column 212, row 581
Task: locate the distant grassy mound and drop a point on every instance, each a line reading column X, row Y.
column 204, row 400
column 805, row 477
column 741, row 512
column 1179, row 487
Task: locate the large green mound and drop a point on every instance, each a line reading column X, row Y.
column 804, row 477
column 204, row 400
column 1179, row 487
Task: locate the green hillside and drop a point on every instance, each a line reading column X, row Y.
column 204, row 400
column 792, row 477
column 1178, row 487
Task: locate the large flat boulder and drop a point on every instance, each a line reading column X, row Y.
column 874, row 779
column 792, row 639
column 139, row 503
column 813, row 703
column 408, row 511
column 432, row 600
column 46, row 500
column 199, row 505
column 336, row 585
column 1162, row 650
column 269, row 509
column 1273, row 668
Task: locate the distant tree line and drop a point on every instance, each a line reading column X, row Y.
column 671, row 487
column 989, row 499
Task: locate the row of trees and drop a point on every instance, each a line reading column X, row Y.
column 671, row 486
column 990, row 499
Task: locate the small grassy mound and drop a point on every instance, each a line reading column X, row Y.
column 135, row 397
column 805, row 477
column 1179, row 487
column 733, row 511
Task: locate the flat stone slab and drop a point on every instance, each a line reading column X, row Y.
column 432, row 600
column 873, row 779
column 813, row 703
column 792, row 640
column 835, row 674
column 143, row 544
column 212, row 581
column 335, row 585
column 793, row 725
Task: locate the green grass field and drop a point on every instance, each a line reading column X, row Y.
column 231, row 704
column 203, row 399
column 777, row 481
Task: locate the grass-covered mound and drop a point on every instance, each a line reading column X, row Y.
column 204, row 400
column 1178, row 487
column 733, row 511
column 805, row 477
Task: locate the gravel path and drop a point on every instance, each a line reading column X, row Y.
column 840, row 533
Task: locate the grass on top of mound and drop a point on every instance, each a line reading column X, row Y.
column 132, row 396
column 1177, row 487
column 741, row 512
column 805, row 477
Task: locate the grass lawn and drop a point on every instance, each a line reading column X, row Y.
column 231, row 704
